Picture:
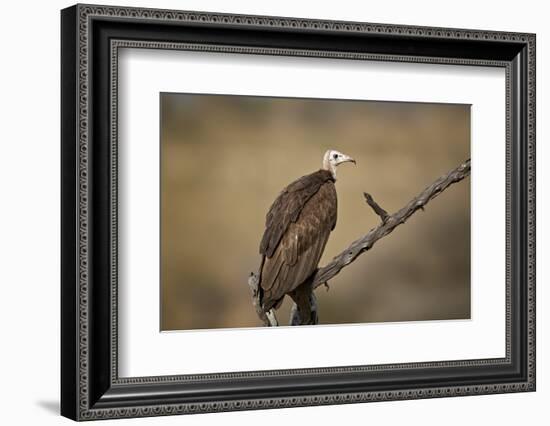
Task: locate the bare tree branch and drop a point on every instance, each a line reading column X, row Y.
column 377, row 209
column 366, row 242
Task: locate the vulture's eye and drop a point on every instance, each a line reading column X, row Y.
column 335, row 156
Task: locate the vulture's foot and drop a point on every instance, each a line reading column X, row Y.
column 304, row 310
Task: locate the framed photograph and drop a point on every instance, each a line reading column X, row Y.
column 263, row 212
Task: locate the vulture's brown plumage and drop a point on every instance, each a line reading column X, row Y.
column 298, row 225
column 297, row 228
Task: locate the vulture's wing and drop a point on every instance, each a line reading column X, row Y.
column 288, row 206
column 301, row 245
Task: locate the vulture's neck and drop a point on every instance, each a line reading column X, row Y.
column 329, row 168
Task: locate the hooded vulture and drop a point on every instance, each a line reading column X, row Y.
column 297, row 228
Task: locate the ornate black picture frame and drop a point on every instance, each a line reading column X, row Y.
column 91, row 387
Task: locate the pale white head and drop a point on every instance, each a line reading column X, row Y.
column 333, row 159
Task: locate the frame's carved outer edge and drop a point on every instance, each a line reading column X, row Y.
column 83, row 15
column 69, row 220
column 531, row 209
column 83, row 222
column 299, row 23
column 305, row 401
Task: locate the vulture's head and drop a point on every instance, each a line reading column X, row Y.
column 333, row 159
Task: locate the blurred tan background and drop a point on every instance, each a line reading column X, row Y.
column 224, row 159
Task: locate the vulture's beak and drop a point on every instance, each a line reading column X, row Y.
column 348, row 159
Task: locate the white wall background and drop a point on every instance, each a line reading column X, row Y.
column 29, row 212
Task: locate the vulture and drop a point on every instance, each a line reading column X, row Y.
column 297, row 228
